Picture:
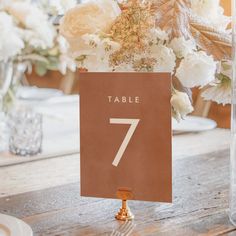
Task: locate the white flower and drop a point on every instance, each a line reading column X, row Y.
column 182, row 47
column 89, row 18
column 57, row 7
column 218, row 93
column 212, row 12
column 65, row 63
column 124, row 67
column 165, row 58
column 10, row 42
column 63, row 44
column 220, row 90
column 93, row 64
column 181, row 104
column 92, row 41
column 225, row 68
column 196, row 69
column 93, row 45
column 38, row 32
column 157, row 34
column 110, row 46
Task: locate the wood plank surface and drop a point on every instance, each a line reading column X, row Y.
column 46, row 173
column 200, row 202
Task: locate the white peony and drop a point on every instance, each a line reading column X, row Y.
column 212, row 12
column 181, row 104
column 38, row 32
column 196, row 69
column 10, row 41
column 165, row 58
column 182, row 47
column 91, row 17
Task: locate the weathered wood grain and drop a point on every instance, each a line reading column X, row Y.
column 199, row 208
column 47, row 173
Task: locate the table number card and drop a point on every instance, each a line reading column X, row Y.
column 125, row 122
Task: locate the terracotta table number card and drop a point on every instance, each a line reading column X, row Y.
column 125, row 122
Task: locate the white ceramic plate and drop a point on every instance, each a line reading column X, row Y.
column 11, row 226
column 37, row 94
column 193, row 124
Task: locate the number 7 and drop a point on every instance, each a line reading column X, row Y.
column 133, row 125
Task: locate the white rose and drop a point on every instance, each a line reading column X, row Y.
column 88, row 18
column 196, row 69
column 211, row 11
column 165, row 58
column 182, row 47
column 181, row 104
column 10, row 41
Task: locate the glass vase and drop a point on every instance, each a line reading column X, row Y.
column 6, row 76
column 232, row 200
column 10, row 78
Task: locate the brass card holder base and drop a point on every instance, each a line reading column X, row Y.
column 124, row 213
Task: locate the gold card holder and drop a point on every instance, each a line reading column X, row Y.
column 124, row 213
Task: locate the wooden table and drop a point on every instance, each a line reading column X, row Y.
column 200, row 197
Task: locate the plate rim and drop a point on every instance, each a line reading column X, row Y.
column 210, row 121
column 21, row 228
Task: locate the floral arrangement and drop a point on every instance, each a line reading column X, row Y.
column 28, row 35
column 188, row 38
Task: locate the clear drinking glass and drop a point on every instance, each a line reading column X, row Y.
column 233, row 128
column 25, row 132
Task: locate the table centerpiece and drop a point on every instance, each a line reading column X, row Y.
column 188, row 38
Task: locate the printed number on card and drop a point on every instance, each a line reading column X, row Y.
column 133, row 125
